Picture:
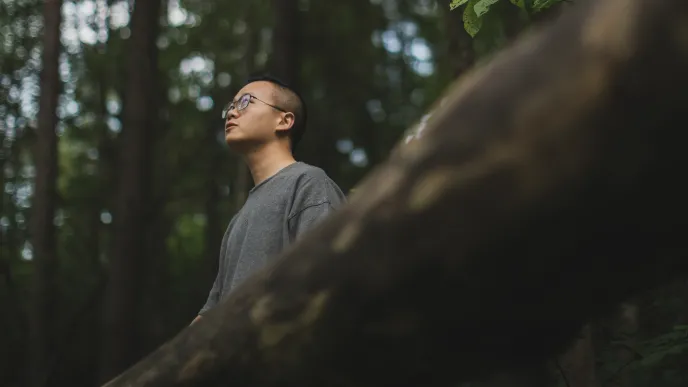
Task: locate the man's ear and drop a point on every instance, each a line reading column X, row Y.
column 286, row 123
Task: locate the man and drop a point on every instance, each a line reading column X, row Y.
column 263, row 124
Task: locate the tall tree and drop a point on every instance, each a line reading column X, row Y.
column 132, row 195
column 286, row 62
column 286, row 40
column 45, row 199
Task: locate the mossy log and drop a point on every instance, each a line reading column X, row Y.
column 546, row 187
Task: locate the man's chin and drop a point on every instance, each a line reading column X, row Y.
column 235, row 142
column 231, row 139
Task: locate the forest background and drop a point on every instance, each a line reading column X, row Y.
column 117, row 185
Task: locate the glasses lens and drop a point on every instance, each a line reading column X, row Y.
column 227, row 109
column 243, row 101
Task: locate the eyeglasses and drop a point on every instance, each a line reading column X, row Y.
column 241, row 104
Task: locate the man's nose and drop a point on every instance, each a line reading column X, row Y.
column 232, row 114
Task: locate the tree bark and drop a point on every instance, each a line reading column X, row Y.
column 578, row 362
column 490, row 240
column 532, row 376
column 130, row 211
column 625, row 331
column 44, row 285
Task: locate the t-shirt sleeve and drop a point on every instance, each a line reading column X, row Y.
column 314, row 200
column 307, row 218
column 214, row 296
column 216, row 291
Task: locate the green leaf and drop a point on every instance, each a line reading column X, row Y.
column 483, row 6
column 539, row 5
column 492, row 34
column 471, row 21
column 456, row 4
column 534, row 5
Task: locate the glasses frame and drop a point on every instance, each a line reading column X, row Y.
column 242, row 103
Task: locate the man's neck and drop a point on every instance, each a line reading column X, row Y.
column 267, row 160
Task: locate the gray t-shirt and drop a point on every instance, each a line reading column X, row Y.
column 276, row 212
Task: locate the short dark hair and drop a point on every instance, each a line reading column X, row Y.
column 289, row 99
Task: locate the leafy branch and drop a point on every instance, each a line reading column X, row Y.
column 475, row 10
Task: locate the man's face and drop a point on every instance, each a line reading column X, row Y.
column 257, row 123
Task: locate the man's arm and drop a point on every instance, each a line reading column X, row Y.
column 213, row 298
column 198, row 318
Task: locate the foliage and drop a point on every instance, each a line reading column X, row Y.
column 475, row 11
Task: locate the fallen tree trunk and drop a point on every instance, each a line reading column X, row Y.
column 546, row 189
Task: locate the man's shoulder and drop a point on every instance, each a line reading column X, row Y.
column 309, row 173
column 311, row 180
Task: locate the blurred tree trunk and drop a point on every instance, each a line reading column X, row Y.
column 286, row 62
column 156, row 307
column 286, row 41
column 578, row 362
column 532, row 376
column 43, row 316
column 102, row 200
column 625, row 329
column 156, row 304
column 130, row 215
